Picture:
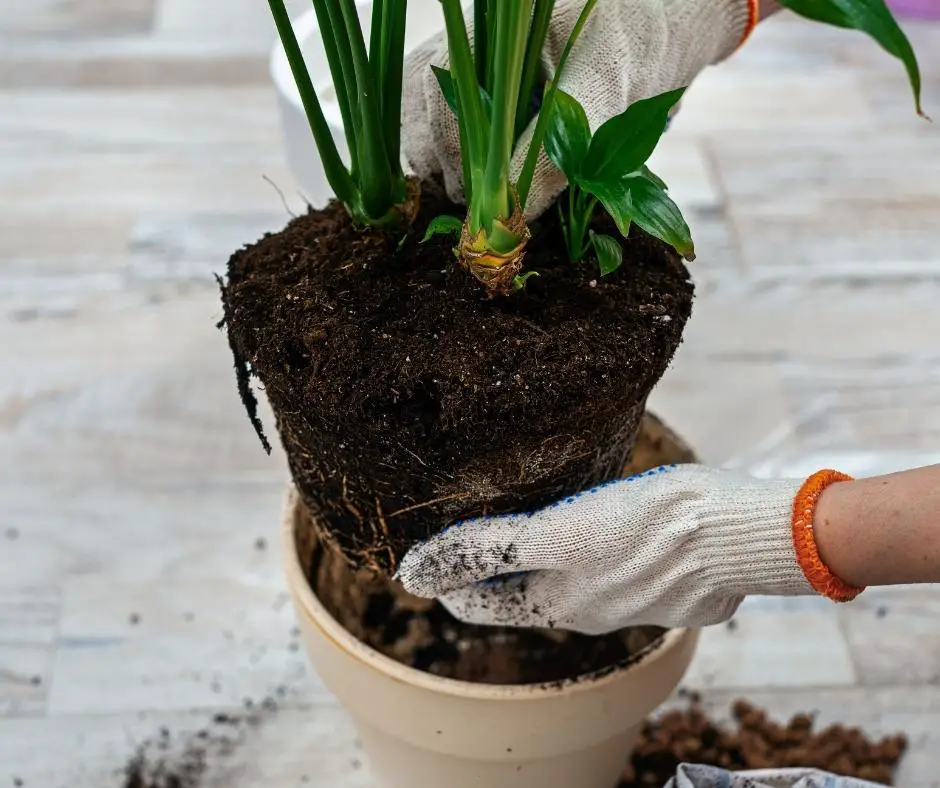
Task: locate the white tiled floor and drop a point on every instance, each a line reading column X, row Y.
column 133, row 141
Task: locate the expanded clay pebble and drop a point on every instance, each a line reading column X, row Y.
column 756, row 742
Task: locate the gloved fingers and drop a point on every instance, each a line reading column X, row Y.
column 476, row 550
column 553, row 600
column 545, row 599
column 527, row 599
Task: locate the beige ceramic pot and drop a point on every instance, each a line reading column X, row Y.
column 423, row 731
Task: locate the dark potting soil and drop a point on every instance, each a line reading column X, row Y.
column 756, row 742
column 407, row 399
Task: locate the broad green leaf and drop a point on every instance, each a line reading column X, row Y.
column 615, row 197
column 609, row 253
column 624, row 143
column 442, row 225
column 568, row 136
column 655, row 212
column 868, row 16
column 446, row 83
column 518, row 282
column 647, row 173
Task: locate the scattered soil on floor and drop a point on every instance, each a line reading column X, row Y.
column 406, row 399
column 754, row 741
column 168, row 761
column 421, row 633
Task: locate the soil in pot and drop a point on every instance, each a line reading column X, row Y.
column 406, row 399
column 421, row 633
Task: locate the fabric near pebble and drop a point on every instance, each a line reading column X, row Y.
column 678, row 546
column 628, row 50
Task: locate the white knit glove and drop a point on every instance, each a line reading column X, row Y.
column 678, row 546
column 628, row 50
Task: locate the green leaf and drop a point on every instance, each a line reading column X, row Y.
column 871, row 17
column 655, row 212
column 624, row 143
column 646, row 172
column 518, row 282
column 615, row 197
column 609, row 253
column 446, row 83
column 569, row 135
column 442, row 225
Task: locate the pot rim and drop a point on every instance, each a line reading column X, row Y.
column 318, row 616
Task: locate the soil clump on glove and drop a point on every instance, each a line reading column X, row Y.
column 406, row 399
column 755, row 741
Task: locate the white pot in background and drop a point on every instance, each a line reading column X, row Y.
column 423, row 731
column 424, row 19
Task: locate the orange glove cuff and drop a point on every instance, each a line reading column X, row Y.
column 753, row 16
column 820, row 577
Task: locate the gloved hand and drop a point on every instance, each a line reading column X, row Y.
column 628, row 50
column 675, row 546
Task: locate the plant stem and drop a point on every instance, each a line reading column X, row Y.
column 377, row 40
column 480, row 40
column 581, row 206
column 335, row 61
column 336, row 173
column 545, row 111
column 490, row 50
column 391, row 85
column 336, row 29
column 574, row 233
column 538, row 30
column 587, row 212
column 495, row 200
column 376, row 177
column 470, row 113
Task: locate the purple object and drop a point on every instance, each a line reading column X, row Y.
column 916, row 9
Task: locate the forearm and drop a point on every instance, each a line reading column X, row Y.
column 882, row 531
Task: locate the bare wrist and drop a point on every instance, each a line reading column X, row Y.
column 832, row 528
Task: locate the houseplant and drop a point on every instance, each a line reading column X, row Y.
column 399, row 412
column 406, row 424
column 408, row 397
